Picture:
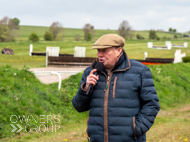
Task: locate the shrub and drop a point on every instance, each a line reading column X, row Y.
column 33, row 37
column 48, row 36
column 186, row 59
column 152, row 34
column 157, row 38
column 89, row 37
column 77, row 37
column 175, row 36
column 139, row 36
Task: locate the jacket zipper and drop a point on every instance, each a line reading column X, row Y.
column 114, row 86
column 106, row 107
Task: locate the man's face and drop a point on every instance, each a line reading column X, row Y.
column 109, row 56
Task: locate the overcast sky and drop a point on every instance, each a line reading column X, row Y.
column 102, row 14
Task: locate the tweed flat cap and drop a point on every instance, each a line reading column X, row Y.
column 109, row 40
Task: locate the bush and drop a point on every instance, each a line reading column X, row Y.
column 33, row 37
column 157, row 38
column 175, row 36
column 152, row 34
column 48, row 36
column 77, row 37
column 89, row 37
column 186, row 59
column 139, row 36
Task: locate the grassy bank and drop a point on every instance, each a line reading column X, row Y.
column 31, row 104
column 23, row 96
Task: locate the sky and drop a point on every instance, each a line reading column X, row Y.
column 102, row 14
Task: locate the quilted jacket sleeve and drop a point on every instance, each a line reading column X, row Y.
column 81, row 101
column 149, row 104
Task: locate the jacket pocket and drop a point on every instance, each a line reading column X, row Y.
column 87, row 127
column 114, row 86
column 135, row 137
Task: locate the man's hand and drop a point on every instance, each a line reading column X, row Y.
column 91, row 79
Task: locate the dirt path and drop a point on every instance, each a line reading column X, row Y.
column 45, row 76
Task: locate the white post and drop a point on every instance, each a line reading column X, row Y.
column 169, row 46
column 59, row 85
column 150, row 44
column 145, row 55
column 178, row 56
column 47, row 54
column 167, row 42
column 79, row 51
column 185, row 44
column 30, row 50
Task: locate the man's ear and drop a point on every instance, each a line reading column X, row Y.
column 120, row 49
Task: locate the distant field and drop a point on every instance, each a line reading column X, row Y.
column 134, row 48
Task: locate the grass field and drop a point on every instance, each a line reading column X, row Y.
column 134, row 48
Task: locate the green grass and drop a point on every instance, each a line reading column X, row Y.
column 134, row 48
column 172, row 82
column 22, row 94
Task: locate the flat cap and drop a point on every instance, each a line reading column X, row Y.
column 109, row 40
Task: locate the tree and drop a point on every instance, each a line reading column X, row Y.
column 55, row 29
column 33, row 37
column 89, row 37
column 6, row 34
column 14, row 23
column 88, row 30
column 152, row 34
column 48, row 36
column 125, row 30
column 172, row 30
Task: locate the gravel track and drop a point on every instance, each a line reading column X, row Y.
column 48, row 78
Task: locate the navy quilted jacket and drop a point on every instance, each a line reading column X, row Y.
column 123, row 104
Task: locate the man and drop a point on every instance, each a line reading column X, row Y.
column 123, row 102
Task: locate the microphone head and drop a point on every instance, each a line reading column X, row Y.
column 99, row 66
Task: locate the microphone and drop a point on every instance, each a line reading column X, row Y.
column 99, row 66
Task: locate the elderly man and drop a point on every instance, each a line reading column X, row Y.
column 123, row 102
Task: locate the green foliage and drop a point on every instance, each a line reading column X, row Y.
column 59, row 37
column 172, row 82
column 48, row 36
column 152, row 34
column 33, row 37
column 157, row 38
column 186, row 59
column 23, row 96
column 16, row 21
column 172, row 30
column 139, row 36
column 4, row 31
column 88, row 38
column 175, row 36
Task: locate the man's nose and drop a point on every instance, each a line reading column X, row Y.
column 100, row 53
